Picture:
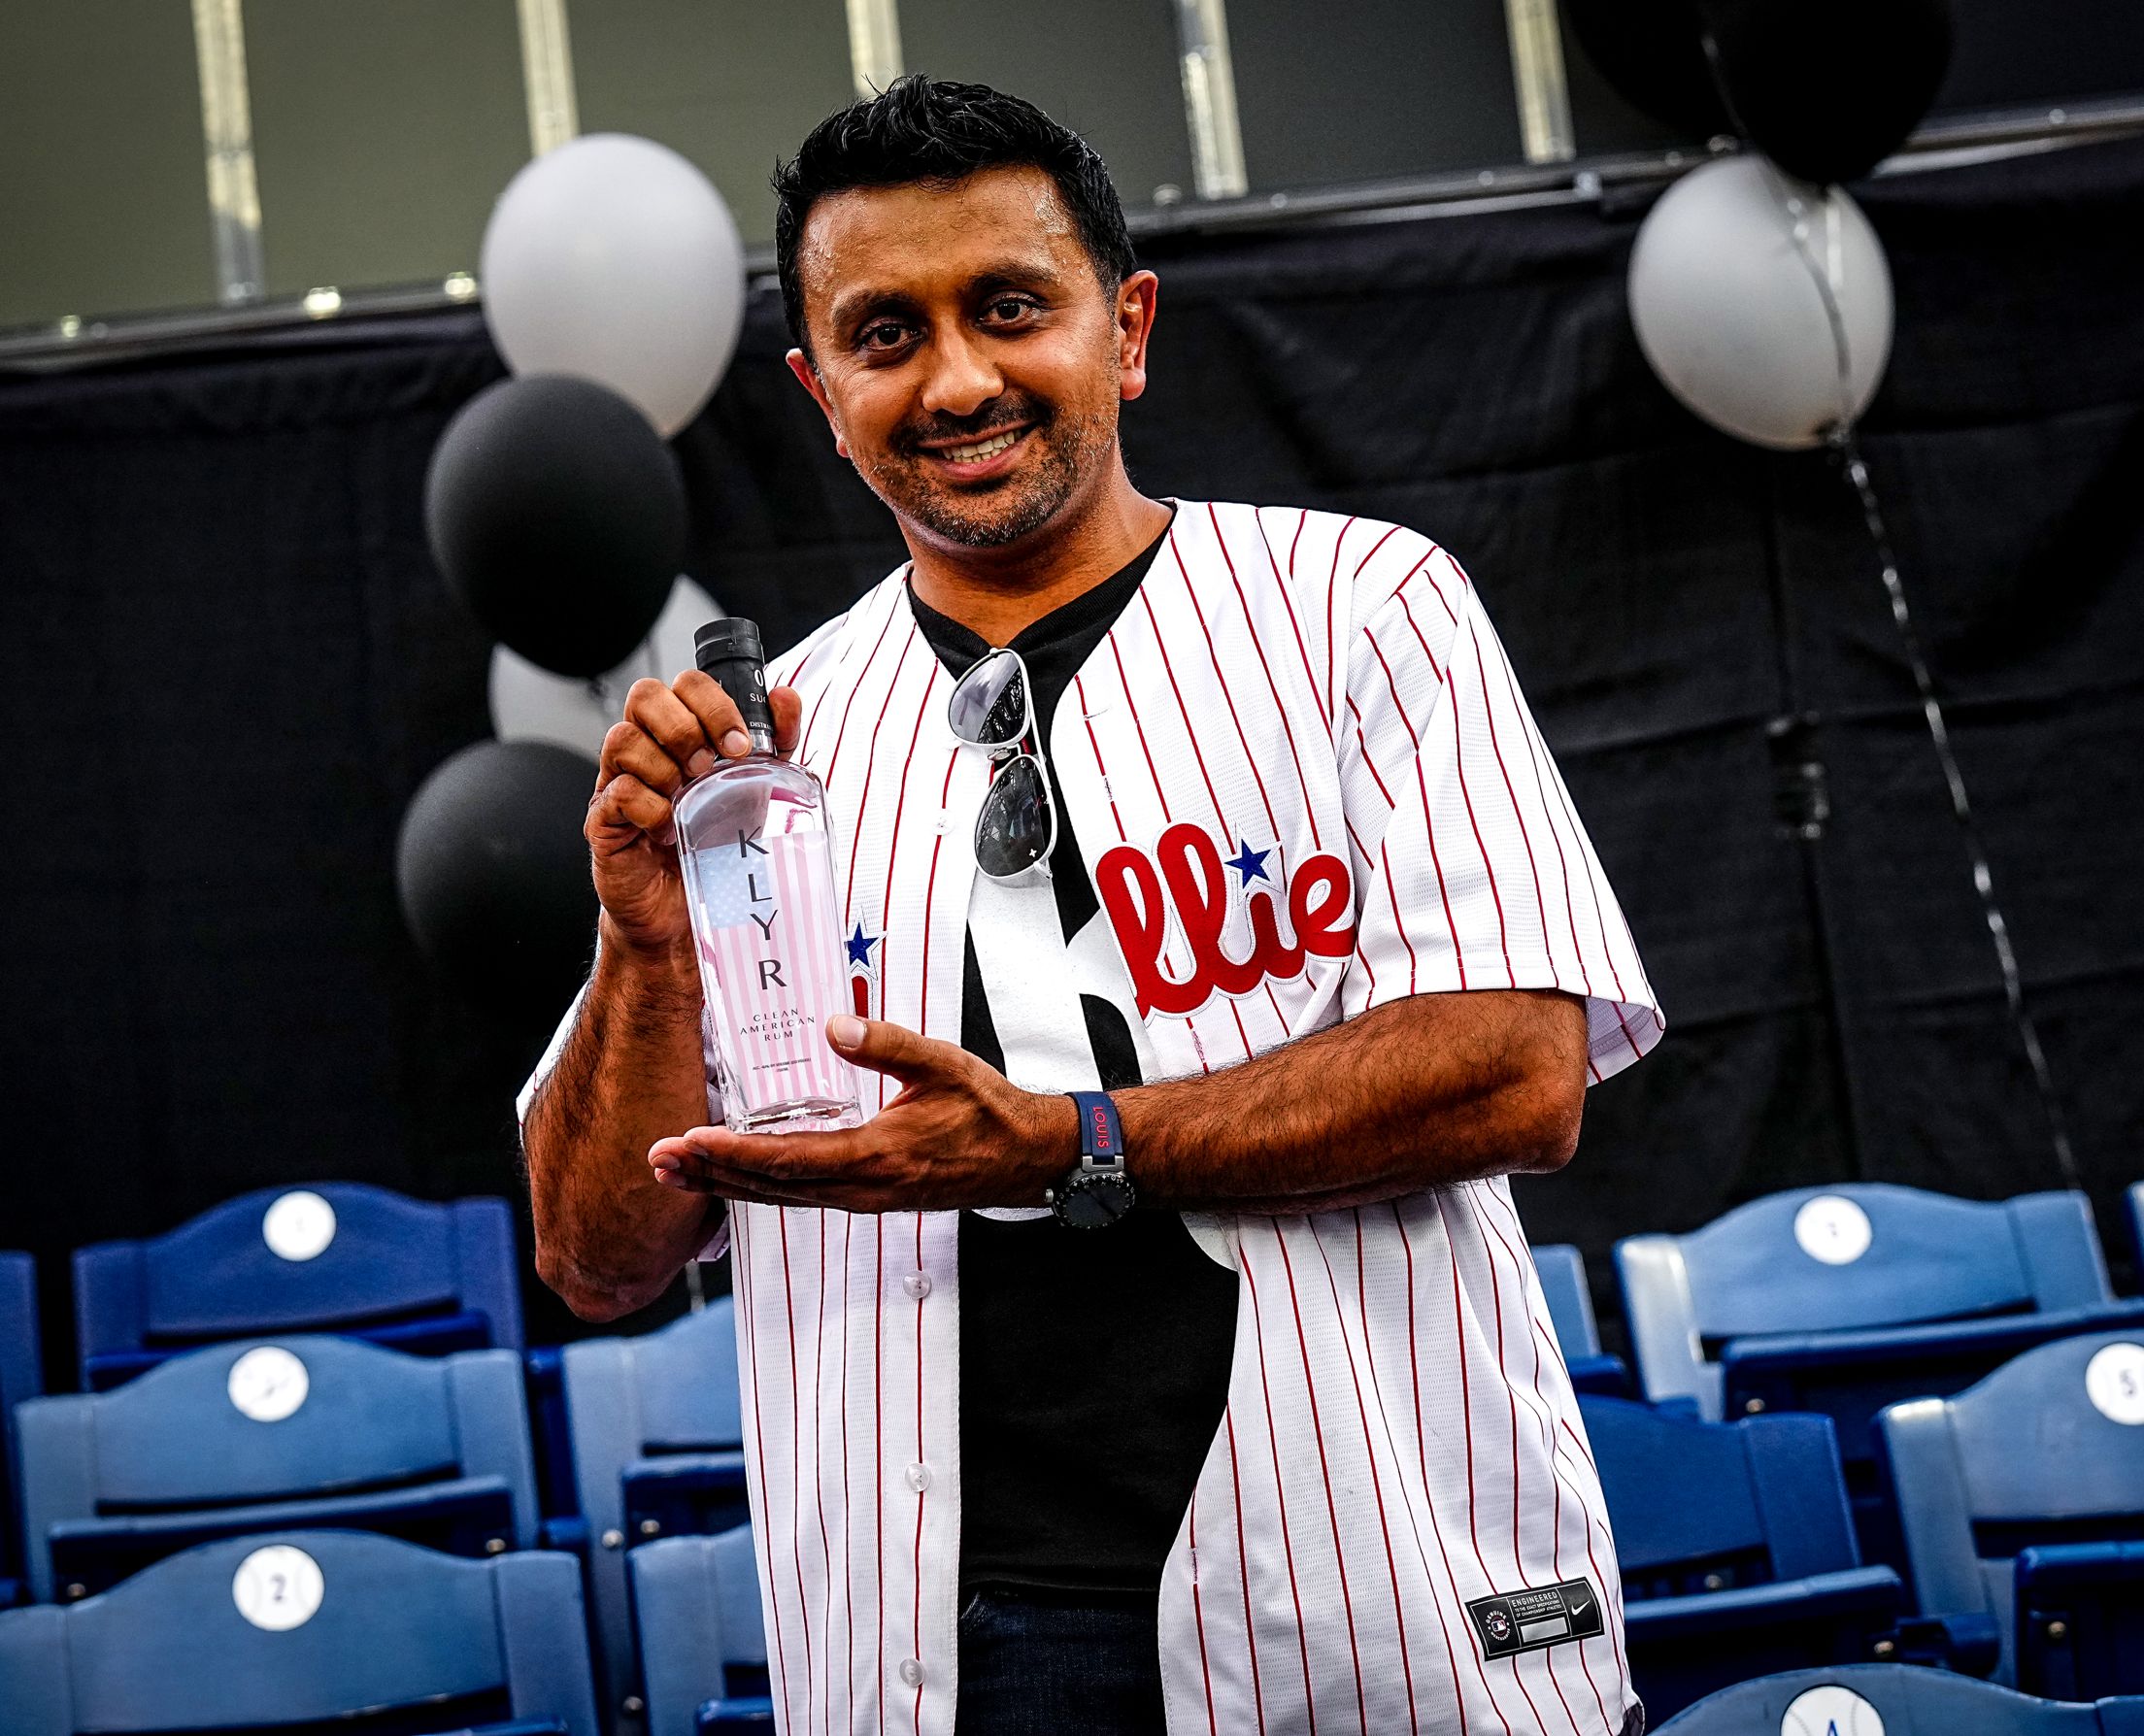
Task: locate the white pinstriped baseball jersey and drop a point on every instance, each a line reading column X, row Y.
column 1308, row 785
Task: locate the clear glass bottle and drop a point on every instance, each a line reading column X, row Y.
column 758, row 868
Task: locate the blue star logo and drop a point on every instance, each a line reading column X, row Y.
column 859, row 944
column 1250, row 864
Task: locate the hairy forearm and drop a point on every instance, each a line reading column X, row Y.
column 1415, row 1094
column 608, row 1238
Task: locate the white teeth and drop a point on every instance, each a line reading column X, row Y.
column 981, row 448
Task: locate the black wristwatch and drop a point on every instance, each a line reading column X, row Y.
column 1099, row 1192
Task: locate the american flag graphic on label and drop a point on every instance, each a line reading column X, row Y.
column 774, row 967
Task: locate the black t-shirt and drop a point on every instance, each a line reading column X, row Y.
column 1093, row 1363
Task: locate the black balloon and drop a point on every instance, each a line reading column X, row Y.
column 557, row 515
column 1829, row 88
column 493, row 874
column 1653, row 51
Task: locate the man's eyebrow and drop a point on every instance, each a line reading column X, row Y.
column 853, row 306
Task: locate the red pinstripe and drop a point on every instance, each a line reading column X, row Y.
column 1422, row 1456
column 1489, row 867
column 855, row 687
column 1280, row 711
column 1429, row 812
column 1466, row 1410
column 1511, row 1398
column 894, row 843
column 1368, row 765
column 1548, row 1445
column 1332, row 642
column 1198, row 1612
column 1094, row 747
column 738, row 1249
column 1228, row 699
column 1287, row 602
column 863, row 799
column 1280, row 1488
column 1169, row 669
column 847, row 1511
column 1489, row 711
column 819, row 1475
column 1138, row 728
column 1324, row 1469
column 877, row 1457
column 797, row 1470
column 1391, row 531
column 1242, row 1567
column 916, row 1614
column 1369, row 1450
column 1399, row 922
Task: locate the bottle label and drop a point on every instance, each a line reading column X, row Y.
column 769, row 938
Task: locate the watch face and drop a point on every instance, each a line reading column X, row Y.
column 1093, row 1202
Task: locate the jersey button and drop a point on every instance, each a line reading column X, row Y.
column 917, row 1285
column 919, row 1478
column 912, row 1672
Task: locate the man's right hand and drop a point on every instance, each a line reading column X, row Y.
column 668, row 736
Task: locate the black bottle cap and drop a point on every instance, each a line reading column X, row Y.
column 729, row 650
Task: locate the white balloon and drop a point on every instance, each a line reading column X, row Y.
column 612, row 259
column 530, row 704
column 1762, row 303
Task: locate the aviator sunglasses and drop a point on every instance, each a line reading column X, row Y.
column 993, row 708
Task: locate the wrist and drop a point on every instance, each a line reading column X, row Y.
column 1052, row 1147
column 660, row 962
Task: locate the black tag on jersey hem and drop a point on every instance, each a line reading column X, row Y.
column 1515, row 1621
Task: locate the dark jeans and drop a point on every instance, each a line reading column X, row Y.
column 1037, row 1663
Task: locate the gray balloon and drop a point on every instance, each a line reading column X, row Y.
column 1762, row 303
column 614, row 259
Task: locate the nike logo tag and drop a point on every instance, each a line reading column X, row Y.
column 1526, row 1620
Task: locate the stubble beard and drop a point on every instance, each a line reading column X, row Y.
column 1070, row 449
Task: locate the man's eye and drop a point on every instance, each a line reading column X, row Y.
column 1009, row 308
column 887, row 334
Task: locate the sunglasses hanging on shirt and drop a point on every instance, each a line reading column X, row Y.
column 993, row 706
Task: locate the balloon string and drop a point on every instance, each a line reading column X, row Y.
column 1983, row 882
column 1843, row 442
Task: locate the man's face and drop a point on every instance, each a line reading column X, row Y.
column 967, row 353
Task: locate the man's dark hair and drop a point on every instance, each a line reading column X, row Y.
column 920, row 129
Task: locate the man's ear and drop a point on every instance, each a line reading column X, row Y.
column 808, row 377
column 1137, row 299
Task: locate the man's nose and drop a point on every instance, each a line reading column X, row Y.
column 962, row 379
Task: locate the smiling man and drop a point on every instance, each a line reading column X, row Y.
column 1165, row 1353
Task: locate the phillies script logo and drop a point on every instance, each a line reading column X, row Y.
column 1320, row 915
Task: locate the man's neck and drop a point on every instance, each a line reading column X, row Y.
column 995, row 592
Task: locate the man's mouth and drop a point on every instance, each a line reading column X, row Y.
column 983, row 451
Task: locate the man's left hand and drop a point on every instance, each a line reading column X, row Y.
column 960, row 1134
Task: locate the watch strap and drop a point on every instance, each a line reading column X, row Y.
column 1101, row 1132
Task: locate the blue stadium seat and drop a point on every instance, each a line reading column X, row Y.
column 2134, row 1200
column 657, row 1434
column 299, row 1628
column 281, row 1434
column 1562, row 1270
column 21, row 1377
column 335, row 1257
column 1847, row 1299
column 2022, row 1501
column 702, row 1642
column 1894, row 1700
column 1736, row 1550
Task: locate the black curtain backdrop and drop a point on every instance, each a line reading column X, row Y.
column 226, row 662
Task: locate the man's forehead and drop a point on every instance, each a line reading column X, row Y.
column 908, row 238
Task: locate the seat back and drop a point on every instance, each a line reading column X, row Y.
column 2047, row 1448
column 1854, row 1255
column 1898, row 1701
column 288, row 1627
column 339, row 1256
column 239, row 1424
column 1701, row 1507
column 21, row 1377
column 661, row 1396
column 701, row 1637
column 1561, row 1269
